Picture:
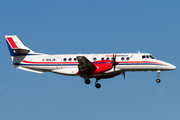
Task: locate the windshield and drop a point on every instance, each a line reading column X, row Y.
column 152, row 57
column 148, row 56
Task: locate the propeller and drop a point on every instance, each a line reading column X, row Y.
column 114, row 61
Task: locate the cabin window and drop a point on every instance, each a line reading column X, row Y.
column 69, row 59
column 75, row 59
column 122, row 58
column 107, row 58
column 127, row 58
column 94, row 59
column 102, row 58
column 64, row 59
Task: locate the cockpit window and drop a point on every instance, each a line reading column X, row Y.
column 151, row 57
column 148, row 56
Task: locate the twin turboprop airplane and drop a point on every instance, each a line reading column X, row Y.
column 99, row 66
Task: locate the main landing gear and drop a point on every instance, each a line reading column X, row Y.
column 97, row 85
column 158, row 75
column 87, row 81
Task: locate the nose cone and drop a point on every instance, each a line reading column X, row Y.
column 166, row 66
column 172, row 67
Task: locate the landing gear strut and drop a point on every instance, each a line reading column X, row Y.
column 97, row 85
column 158, row 75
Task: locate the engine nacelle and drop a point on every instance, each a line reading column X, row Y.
column 102, row 66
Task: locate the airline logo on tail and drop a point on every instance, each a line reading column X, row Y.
column 11, row 42
column 16, row 47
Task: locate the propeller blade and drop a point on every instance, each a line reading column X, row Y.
column 123, row 75
column 114, row 61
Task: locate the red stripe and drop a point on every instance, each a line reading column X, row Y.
column 152, row 62
column 141, row 62
column 77, row 62
column 129, row 62
column 11, row 42
column 50, row 62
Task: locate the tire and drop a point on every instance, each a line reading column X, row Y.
column 158, row 80
column 87, row 81
column 98, row 85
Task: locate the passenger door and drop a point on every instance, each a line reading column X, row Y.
column 59, row 63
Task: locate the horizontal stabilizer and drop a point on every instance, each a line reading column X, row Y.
column 21, row 51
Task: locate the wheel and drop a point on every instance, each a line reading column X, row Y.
column 87, row 81
column 158, row 80
column 98, row 85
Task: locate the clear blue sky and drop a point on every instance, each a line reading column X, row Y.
column 99, row 26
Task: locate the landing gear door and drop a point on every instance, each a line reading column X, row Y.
column 58, row 63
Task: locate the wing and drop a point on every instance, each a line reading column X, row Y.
column 85, row 65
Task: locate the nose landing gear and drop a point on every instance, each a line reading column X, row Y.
column 158, row 80
column 158, row 75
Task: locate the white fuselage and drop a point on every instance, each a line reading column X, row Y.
column 68, row 64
